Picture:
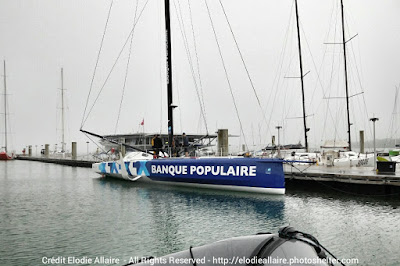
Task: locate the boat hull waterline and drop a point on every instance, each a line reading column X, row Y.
column 5, row 157
column 239, row 174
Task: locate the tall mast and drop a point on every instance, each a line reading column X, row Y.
column 5, row 108
column 301, row 78
column 345, row 76
column 169, row 72
column 62, row 112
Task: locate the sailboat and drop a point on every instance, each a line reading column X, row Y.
column 335, row 152
column 228, row 173
column 343, row 154
column 4, row 154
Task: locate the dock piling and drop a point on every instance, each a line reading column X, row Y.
column 73, row 150
column 123, row 149
column 223, row 142
column 361, row 141
column 46, row 150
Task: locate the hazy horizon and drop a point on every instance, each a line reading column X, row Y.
column 41, row 37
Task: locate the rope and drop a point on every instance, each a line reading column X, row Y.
column 244, row 63
column 393, row 120
column 97, row 61
column 186, row 44
column 275, row 83
column 226, row 74
column 126, row 72
column 115, row 63
column 197, row 63
column 95, row 143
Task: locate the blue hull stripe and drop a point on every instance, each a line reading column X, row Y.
column 245, row 172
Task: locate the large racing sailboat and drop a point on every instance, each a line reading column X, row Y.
column 229, row 173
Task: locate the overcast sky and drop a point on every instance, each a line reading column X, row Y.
column 38, row 38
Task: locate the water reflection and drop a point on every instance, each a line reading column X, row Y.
column 178, row 217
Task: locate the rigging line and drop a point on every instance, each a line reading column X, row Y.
column 97, row 61
column 292, row 99
column 189, row 56
column 179, row 102
column 186, row 44
column 360, row 111
column 226, row 74
column 197, row 60
column 286, row 112
column 393, row 120
column 243, row 61
column 275, row 83
column 116, row 60
column 334, row 121
column 358, row 75
column 361, row 86
column 329, row 111
column 95, row 143
column 332, row 17
column 126, row 71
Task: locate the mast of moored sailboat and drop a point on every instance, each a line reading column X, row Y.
column 169, row 72
column 62, row 112
column 5, row 108
column 345, row 77
column 301, row 79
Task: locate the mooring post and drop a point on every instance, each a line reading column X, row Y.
column 223, row 142
column 361, row 141
column 73, row 150
column 123, row 149
column 46, row 150
column 30, row 150
column 374, row 119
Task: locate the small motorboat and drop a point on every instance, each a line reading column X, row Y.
column 288, row 247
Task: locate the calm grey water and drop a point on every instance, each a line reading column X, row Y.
column 49, row 210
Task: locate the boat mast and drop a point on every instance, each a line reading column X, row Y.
column 345, row 76
column 62, row 111
column 5, row 108
column 301, row 78
column 169, row 72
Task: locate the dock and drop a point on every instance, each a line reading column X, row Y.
column 354, row 180
column 57, row 160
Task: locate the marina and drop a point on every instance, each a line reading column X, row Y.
column 199, row 133
column 355, row 180
column 52, row 211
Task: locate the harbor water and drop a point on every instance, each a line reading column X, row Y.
column 74, row 216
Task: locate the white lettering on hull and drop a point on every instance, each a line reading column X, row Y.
column 203, row 170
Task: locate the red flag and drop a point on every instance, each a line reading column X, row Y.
column 142, row 122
